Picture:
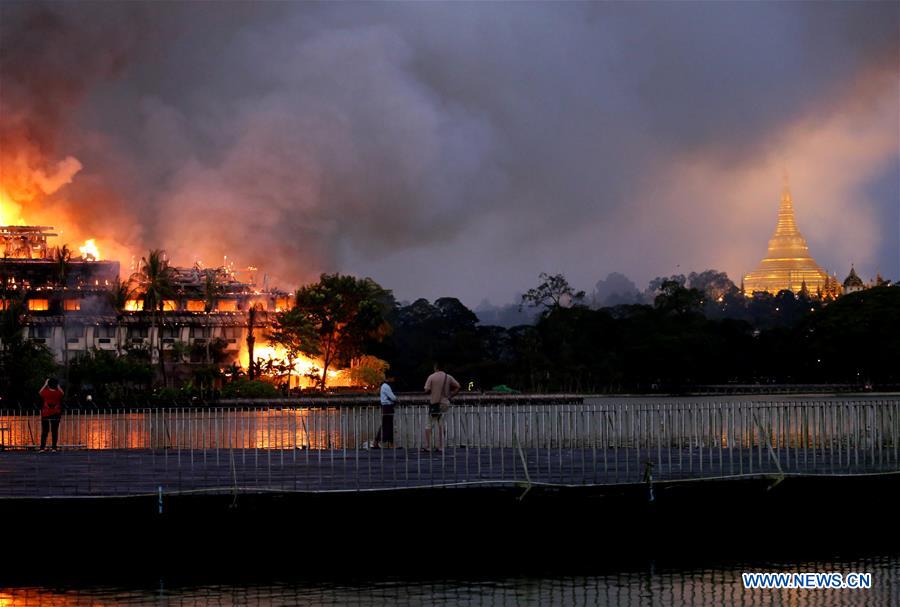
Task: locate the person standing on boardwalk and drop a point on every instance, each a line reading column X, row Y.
column 51, row 411
column 386, row 431
column 441, row 387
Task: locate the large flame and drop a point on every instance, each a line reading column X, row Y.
column 89, row 250
column 10, row 212
column 302, row 369
column 13, row 206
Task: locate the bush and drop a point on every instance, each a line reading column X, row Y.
column 244, row 388
column 368, row 371
column 168, row 396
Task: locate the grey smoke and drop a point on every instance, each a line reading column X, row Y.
column 447, row 149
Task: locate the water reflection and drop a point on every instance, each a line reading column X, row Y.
column 840, row 428
column 200, row 429
column 710, row 586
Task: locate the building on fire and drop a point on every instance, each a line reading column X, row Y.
column 71, row 308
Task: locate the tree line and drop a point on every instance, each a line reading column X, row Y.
column 689, row 331
column 698, row 330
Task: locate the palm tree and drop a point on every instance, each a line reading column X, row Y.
column 251, row 339
column 62, row 258
column 118, row 294
column 211, row 292
column 154, row 281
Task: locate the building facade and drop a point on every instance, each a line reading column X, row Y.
column 72, row 306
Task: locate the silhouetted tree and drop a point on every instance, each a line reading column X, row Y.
column 553, row 293
column 347, row 313
column 295, row 333
column 154, row 282
column 252, row 314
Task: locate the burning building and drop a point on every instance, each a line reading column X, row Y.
column 76, row 303
column 49, row 279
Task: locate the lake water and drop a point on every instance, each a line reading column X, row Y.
column 649, row 585
column 724, row 420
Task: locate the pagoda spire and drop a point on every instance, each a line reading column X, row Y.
column 787, row 264
column 787, row 225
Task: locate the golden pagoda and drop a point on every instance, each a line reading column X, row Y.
column 788, row 264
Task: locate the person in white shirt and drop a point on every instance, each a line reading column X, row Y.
column 386, row 431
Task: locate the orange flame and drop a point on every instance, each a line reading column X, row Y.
column 302, row 366
column 89, row 250
column 10, row 212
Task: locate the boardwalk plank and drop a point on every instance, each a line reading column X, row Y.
column 139, row 471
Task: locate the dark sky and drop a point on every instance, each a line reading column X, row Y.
column 461, row 149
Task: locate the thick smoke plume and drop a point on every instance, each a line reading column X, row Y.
column 458, row 148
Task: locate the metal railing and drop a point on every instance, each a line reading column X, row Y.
column 315, row 448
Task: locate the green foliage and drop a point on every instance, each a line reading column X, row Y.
column 180, row 351
column 213, row 351
column 61, row 258
column 154, row 280
column 168, row 396
column 293, row 330
column 674, row 298
column 12, row 319
column 346, row 313
column 244, row 388
column 212, row 290
column 110, row 377
column 369, row 371
column 679, row 342
column 447, row 331
column 854, row 339
column 24, row 366
column 118, row 294
column 713, row 284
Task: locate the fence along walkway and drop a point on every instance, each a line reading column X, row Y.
column 110, row 453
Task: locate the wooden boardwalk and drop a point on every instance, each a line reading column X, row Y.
column 109, row 473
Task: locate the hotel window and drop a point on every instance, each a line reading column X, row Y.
column 196, row 305
column 169, row 305
column 106, row 331
column 41, row 331
column 71, row 305
column 227, row 305
column 199, row 332
column 138, row 333
column 74, row 333
column 134, row 305
column 38, row 305
column 232, row 334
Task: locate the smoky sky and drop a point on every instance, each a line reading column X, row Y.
column 461, row 149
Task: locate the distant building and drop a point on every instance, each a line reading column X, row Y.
column 788, row 264
column 71, row 307
column 853, row 282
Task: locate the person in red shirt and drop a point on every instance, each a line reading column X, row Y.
column 51, row 411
